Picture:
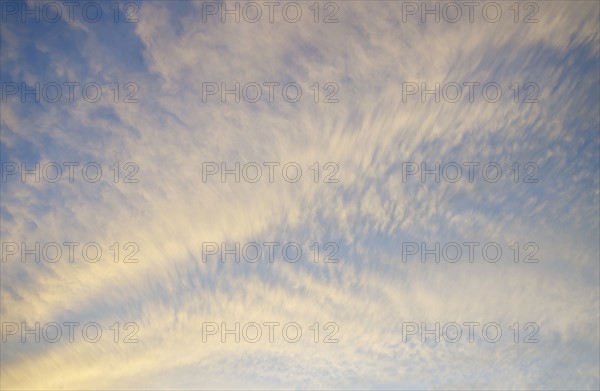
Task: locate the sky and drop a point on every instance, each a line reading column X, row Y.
column 300, row 195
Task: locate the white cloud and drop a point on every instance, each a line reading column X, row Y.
column 369, row 133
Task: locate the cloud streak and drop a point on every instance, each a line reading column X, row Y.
column 170, row 293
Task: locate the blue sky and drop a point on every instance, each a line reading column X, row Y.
column 370, row 213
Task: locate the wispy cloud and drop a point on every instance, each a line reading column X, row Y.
column 370, row 213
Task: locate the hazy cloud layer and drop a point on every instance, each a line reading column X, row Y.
column 369, row 213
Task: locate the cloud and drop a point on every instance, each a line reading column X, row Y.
column 369, row 212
